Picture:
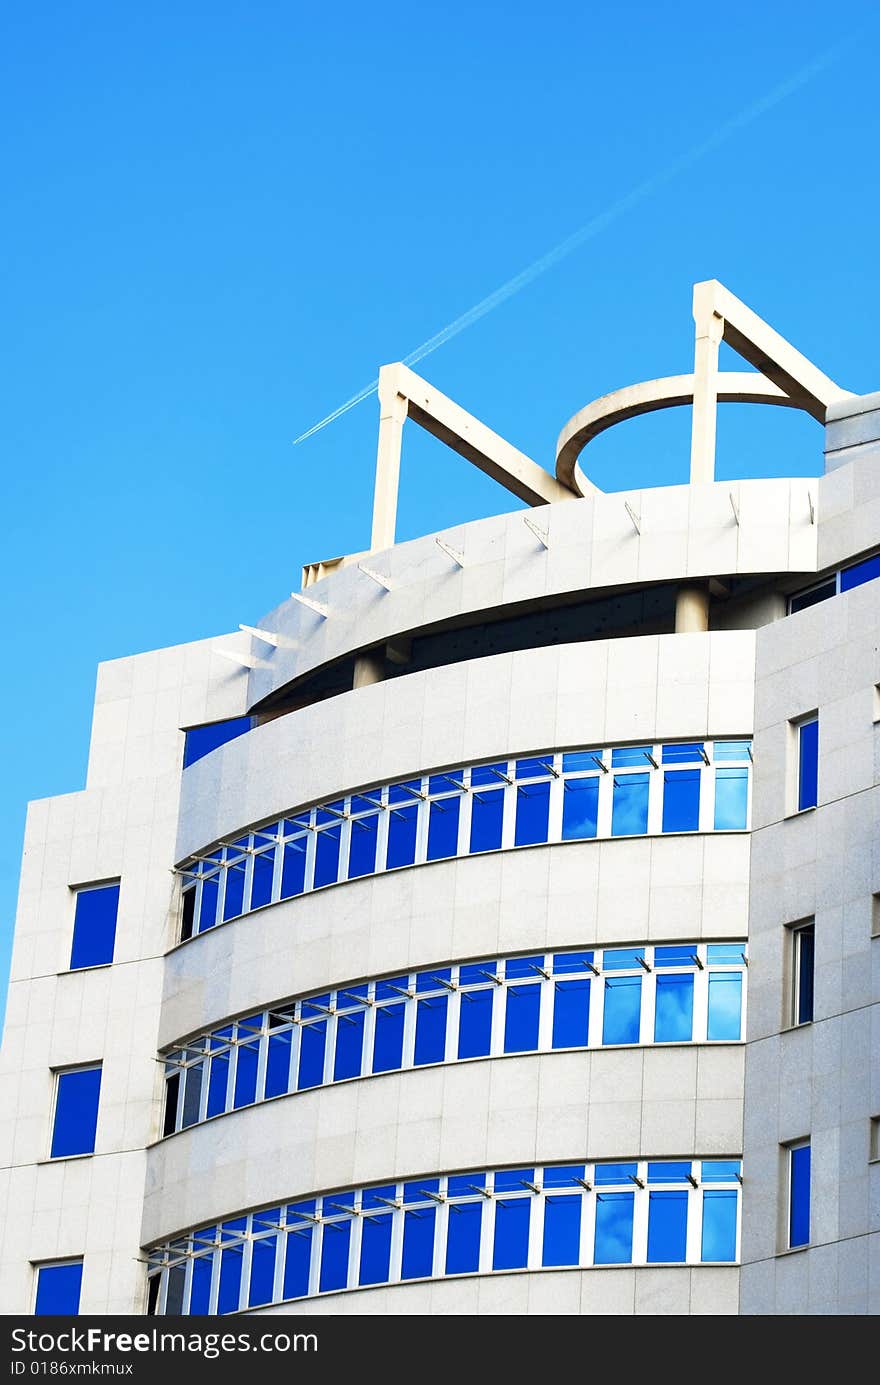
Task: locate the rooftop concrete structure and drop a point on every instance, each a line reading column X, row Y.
column 503, row 946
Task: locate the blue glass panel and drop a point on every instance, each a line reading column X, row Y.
column 431, row 1030
column 808, row 764
column 669, row 1171
column 293, row 868
column 311, row 1055
column 246, row 1075
column 334, row 1255
column 677, row 955
column 487, row 812
column 475, row 1023
column 233, row 899
column 614, row 1229
column 175, row 1283
column 630, row 755
column 512, row 1180
column 432, row 981
column 297, row 1259
column 719, row 1224
column 446, row 783
column 725, row 1005
column 681, row 800
column 388, row 1042
column 607, row 1174
column 200, row 740
column 521, row 1018
column 463, row 1237
column 278, row 1063
column 533, row 767
column 562, row 1175
column 362, row 845
column 731, row 799
column 730, row 953
column 229, row 1296
column 511, row 1248
column 260, row 1289
column 721, row 1170
column 562, row 1230
column 682, row 754
column 443, row 828
column 327, row 855
column 403, row 824
column 76, row 1112
column 532, row 814
column 218, row 1083
column 621, row 958
column 524, row 968
column 349, row 1045
column 200, row 1289
column 94, row 926
column 731, row 750
column 418, row 1243
column 571, row 963
column 488, row 775
column 261, row 885
column 865, row 571
column 667, row 1227
column 674, row 1009
column 465, row 1184
column 580, row 808
column 375, row 1249
column 58, row 1289
column 629, row 806
column 580, row 760
column 208, row 906
column 621, row 1019
column 799, row 1194
column 571, row 1013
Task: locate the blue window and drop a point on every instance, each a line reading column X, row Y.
column 335, row 1245
column 808, row 764
column 571, row 1013
column 614, row 1228
column 523, row 1005
column 443, row 819
column 804, row 945
column 218, row 1083
column 681, row 800
column 94, row 926
column 260, row 1289
column 418, row 1229
column 725, row 1005
column 313, row 1036
column 562, row 1216
column 580, row 808
column 200, row 1289
column 76, row 1111
column 731, row 799
column 278, row 1063
column 245, row 1091
column 261, row 886
column 719, row 1223
column 349, row 1034
column 58, row 1289
column 293, row 866
column 388, row 1040
column 799, row 1195
column 231, row 1264
column 487, row 806
column 510, row 1250
column 430, row 1027
column 376, row 1236
column 463, row 1237
column 674, row 1008
column 233, row 898
column 403, row 818
column 364, row 836
column 475, row 1018
column 200, row 740
column 623, row 1003
column 667, row 1226
column 327, row 844
column 532, row 813
column 865, row 571
column 298, row 1251
column 629, row 805
column 208, row 907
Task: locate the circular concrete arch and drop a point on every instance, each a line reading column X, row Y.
column 668, row 392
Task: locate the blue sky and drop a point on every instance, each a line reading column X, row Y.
column 222, row 218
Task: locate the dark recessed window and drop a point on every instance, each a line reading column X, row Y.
column 76, row 1111
column 808, row 763
column 201, row 740
column 803, row 943
column 94, row 926
column 58, row 1289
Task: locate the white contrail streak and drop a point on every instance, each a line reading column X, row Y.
column 599, row 222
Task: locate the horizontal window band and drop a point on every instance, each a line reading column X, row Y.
column 572, row 999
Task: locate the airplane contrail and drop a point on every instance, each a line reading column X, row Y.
column 599, row 222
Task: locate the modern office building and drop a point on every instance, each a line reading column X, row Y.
column 494, row 929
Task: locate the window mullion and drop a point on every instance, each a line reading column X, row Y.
column 382, row 821
column 588, row 1222
column 330, row 1041
column 441, row 1233
column 453, row 1017
column 354, row 1246
column 655, row 792
column 369, row 1037
column 640, row 1215
column 410, row 1011
column 464, row 816
column 536, row 1225
column 508, row 822
column 317, row 1249
column 423, row 812
column 487, row 1231
column 694, row 1235
column 606, row 801
column 545, row 1012
column 398, row 1219
column 557, row 789
column 262, row 1058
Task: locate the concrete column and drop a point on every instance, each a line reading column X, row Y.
column 369, row 668
column 393, row 410
column 709, row 331
column 691, row 610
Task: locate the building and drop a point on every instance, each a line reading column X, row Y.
column 494, row 928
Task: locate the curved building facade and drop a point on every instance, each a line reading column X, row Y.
column 493, row 928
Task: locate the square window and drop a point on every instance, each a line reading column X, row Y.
column 94, row 925
column 58, row 1289
column 802, row 942
column 76, row 1111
